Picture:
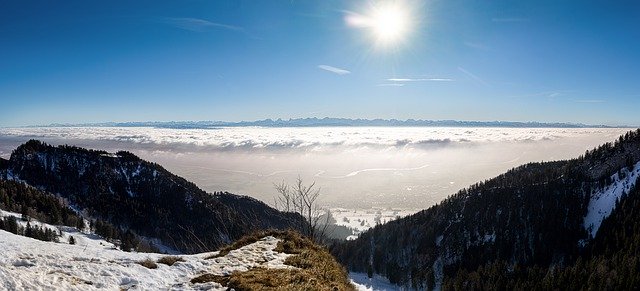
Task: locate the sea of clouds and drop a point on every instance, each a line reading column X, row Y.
column 358, row 167
column 311, row 138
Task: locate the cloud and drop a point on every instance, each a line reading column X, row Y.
column 334, row 70
column 430, row 142
column 198, row 25
column 390, row 85
column 510, row 19
column 264, row 139
column 473, row 76
column 420, row 80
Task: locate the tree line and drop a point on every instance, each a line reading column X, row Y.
column 522, row 229
column 32, row 203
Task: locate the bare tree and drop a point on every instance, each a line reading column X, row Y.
column 303, row 199
column 283, row 201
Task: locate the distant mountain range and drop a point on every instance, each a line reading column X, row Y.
column 327, row 121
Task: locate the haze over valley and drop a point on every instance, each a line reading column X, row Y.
column 356, row 167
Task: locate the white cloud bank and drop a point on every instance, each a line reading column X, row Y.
column 314, row 138
column 357, row 167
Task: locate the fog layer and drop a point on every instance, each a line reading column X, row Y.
column 357, row 167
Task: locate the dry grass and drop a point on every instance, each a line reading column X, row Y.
column 170, row 260
column 149, row 264
column 205, row 278
column 245, row 240
column 317, row 268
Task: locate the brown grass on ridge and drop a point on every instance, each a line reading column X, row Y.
column 148, row 263
column 317, row 268
column 170, row 260
column 204, row 278
column 244, row 241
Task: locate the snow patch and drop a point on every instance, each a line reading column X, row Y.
column 29, row 264
column 490, row 238
column 352, row 237
column 361, row 220
column 130, row 193
column 438, row 273
column 137, row 171
column 439, row 240
column 603, row 202
column 377, row 283
column 13, row 177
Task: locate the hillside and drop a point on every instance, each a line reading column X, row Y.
column 141, row 197
column 35, row 205
column 540, row 216
column 610, row 262
column 265, row 261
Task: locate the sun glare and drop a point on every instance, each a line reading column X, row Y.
column 387, row 23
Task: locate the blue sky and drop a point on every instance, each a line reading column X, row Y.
column 96, row 61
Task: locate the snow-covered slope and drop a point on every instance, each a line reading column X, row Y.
column 29, row 264
column 377, row 283
column 360, row 220
column 603, row 202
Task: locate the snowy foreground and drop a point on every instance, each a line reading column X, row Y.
column 29, row 264
column 92, row 263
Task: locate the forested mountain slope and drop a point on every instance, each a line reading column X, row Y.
column 140, row 196
column 540, row 216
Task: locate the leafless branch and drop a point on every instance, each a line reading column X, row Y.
column 303, row 199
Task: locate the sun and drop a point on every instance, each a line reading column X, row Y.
column 388, row 23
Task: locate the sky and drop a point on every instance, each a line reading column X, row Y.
column 99, row 61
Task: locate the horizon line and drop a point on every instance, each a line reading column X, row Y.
column 330, row 122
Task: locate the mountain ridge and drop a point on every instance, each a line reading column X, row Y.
column 332, row 122
column 538, row 215
column 135, row 194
